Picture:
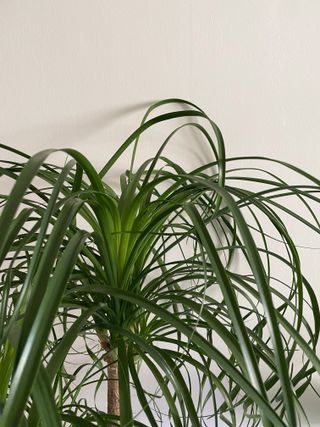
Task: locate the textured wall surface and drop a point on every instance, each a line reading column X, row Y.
column 80, row 73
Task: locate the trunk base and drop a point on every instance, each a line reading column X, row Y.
column 113, row 401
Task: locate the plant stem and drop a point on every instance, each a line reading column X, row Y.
column 124, row 386
column 113, row 400
column 113, row 384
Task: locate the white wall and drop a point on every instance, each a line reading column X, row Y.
column 79, row 73
column 70, row 69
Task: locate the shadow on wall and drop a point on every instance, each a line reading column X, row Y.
column 98, row 134
column 72, row 130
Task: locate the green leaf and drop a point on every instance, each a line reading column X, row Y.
column 31, row 354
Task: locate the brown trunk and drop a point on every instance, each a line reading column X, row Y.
column 113, row 402
column 113, row 384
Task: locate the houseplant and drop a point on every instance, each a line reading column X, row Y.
column 189, row 276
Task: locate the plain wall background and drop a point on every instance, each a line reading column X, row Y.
column 80, row 73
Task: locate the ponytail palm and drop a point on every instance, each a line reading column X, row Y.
column 185, row 288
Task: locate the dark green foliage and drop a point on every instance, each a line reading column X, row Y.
column 191, row 277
